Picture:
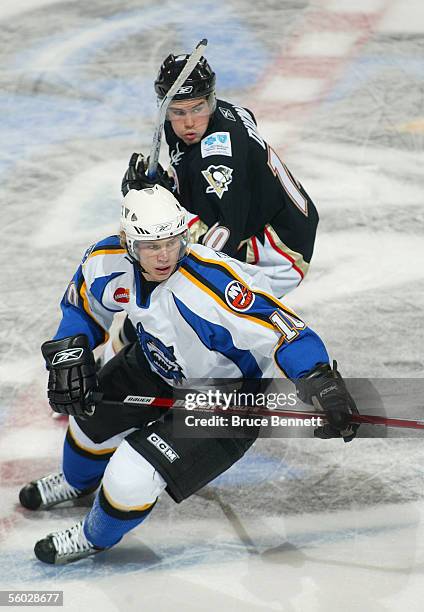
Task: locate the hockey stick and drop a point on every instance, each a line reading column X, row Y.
column 157, row 136
column 163, row 402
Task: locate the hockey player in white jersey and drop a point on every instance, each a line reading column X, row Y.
column 197, row 314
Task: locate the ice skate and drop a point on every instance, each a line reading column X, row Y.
column 48, row 492
column 65, row 546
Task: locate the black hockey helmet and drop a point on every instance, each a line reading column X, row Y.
column 199, row 84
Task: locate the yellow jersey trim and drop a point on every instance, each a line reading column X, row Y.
column 104, row 451
column 219, row 301
column 114, row 504
column 87, row 309
column 237, row 277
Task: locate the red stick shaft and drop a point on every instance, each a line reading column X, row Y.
column 260, row 411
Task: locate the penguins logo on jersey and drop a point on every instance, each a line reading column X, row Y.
column 238, row 297
column 219, row 178
column 161, row 357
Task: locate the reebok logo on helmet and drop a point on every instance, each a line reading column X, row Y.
column 163, row 228
column 185, row 89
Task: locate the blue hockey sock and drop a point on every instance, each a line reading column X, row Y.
column 105, row 525
column 81, row 468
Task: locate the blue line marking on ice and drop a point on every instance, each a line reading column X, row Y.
column 30, row 123
column 230, row 36
column 112, row 107
column 78, row 46
column 102, row 210
column 237, row 57
column 367, row 68
column 253, row 469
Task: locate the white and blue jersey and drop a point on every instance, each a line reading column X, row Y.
column 213, row 318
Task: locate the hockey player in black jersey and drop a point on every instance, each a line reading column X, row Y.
column 241, row 197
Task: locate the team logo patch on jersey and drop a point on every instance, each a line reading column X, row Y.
column 122, row 295
column 226, row 113
column 218, row 143
column 219, row 178
column 161, row 357
column 239, row 297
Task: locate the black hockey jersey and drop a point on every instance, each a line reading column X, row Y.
column 243, row 199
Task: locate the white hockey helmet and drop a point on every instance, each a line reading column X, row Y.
column 152, row 214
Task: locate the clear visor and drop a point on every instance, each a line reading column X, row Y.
column 179, row 110
column 171, row 249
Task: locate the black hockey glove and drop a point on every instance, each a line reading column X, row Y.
column 136, row 178
column 325, row 389
column 72, row 387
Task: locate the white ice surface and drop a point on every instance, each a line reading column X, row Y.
column 297, row 525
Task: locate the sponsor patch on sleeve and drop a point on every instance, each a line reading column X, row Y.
column 218, row 143
column 122, row 294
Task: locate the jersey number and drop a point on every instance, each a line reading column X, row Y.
column 287, row 324
column 279, row 169
column 216, row 237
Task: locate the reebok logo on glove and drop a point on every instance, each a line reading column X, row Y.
column 71, row 354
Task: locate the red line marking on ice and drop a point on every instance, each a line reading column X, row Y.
column 327, row 69
column 27, row 410
column 17, row 472
column 7, row 525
